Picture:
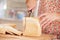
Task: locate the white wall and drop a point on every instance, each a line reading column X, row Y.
column 16, row 4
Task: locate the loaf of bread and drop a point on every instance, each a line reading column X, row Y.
column 32, row 26
column 6, row 28
column 10, row 24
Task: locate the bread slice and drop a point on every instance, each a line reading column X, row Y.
column 32, row 26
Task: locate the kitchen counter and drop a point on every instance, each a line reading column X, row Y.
column 12, row 37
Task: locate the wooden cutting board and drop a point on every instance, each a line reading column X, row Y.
column 12, row 37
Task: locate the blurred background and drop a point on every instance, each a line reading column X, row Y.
column 12, row 11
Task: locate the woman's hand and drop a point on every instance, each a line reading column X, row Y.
column 47, row 18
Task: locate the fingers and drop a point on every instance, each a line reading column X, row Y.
column 47, row 24
column 43, row 20
column 42, row 15
column 46, row 20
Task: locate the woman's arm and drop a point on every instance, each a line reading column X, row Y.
column 30, row 4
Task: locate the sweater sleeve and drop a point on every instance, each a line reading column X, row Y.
column 49, row 14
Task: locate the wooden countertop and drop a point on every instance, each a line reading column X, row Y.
column 12, row 37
